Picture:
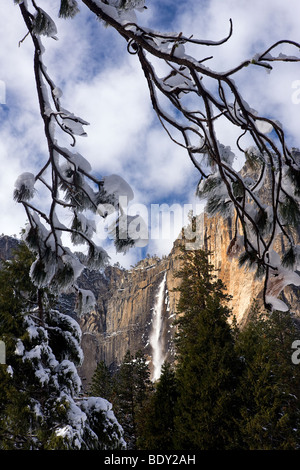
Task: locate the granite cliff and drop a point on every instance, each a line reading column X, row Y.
column 128, row 303
column 7, row 247
column 133, row 304
column 127, row 300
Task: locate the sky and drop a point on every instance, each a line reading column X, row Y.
column 105, row 86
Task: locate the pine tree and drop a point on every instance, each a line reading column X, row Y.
column 17, row 294
column 207, row 366
column 102, row 382
column 269, row 386
column 39, row 386
column 68, row 174
column 156, row 429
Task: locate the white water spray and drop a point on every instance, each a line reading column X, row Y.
column 158, row 356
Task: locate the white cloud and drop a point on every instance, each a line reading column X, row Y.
column 256, row 26
column 116, row 104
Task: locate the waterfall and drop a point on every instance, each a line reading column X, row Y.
column 155, row 339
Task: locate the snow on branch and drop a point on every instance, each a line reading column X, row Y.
column 200, row 98
column 67, row 177
column 197, row 107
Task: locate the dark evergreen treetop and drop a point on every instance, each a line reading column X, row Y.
column 269, row 383
column 207, row 366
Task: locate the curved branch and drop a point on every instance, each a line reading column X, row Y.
column 182, row 85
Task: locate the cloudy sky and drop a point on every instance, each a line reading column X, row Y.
column 104, row 85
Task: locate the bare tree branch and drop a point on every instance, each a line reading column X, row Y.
column 196, row 111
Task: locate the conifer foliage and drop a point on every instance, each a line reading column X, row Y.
column 128, row 389
column 157, row 425
column 207, row 366
column 231, row 388
column 132, row 385
column 40, row 406
column 67, row 178
column 270, row 383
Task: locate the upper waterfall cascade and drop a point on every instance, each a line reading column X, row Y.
column 156, row 339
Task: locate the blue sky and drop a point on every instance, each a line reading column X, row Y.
column 105, row 86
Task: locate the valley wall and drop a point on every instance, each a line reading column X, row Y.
column 125, row 299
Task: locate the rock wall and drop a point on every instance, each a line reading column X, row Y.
column 7, row 247
column 123, row 318
column 125, row 299
column 241, row 282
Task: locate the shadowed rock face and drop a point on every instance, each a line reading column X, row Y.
column 122, row 318
column 7, row 247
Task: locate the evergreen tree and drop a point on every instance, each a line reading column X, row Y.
column 207, row 365
column 156, row 429
column 39, row 386
column 102, row 382
column 131, row 386
column 17, row 294
column 269, row 386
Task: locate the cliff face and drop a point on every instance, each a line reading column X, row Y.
column 128, row 308
column 127, row 300
column 7, row 247
column 124, row 318
column 125, row 311
column 241, row 282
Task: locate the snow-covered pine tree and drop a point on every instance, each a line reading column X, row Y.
column 41, row 406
